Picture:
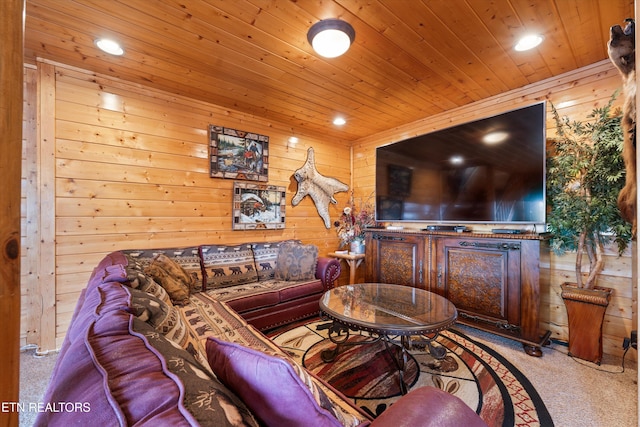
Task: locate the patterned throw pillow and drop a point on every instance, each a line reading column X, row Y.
column 228, row 265
column 276, row 389
column 151, row 287
column 187, row 258
column 266, row 257
column 205, row 397
column 136, row 277
column 296, row 262
column 174, row 268
column 171, row 277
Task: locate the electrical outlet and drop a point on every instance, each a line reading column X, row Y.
column 631, row 341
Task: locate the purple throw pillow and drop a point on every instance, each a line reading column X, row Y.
column 269, row 385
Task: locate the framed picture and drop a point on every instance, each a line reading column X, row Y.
column 258, row 206
column 238, row 154
column 399, row 181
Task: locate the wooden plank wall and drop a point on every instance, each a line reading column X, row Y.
column 121, row 166
column 575, row 94
column 28, row 229
column 128, row 168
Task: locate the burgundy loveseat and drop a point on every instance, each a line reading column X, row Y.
column 160, row 346
column 248, row 276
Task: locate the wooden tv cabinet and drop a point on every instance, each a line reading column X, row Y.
column 493, row 279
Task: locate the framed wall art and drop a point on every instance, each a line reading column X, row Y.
column 258, row 206
column 238, row 154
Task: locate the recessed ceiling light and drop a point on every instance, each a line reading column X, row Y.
column 528, row 42
column 339, row 121
column 109, row 46
column 293, row 139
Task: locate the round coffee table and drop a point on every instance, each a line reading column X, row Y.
column 387, row 311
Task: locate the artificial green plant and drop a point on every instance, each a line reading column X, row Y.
column 585, row 173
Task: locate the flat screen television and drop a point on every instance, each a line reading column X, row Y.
column 489, row 171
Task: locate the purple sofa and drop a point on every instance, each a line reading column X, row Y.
column 138, row 352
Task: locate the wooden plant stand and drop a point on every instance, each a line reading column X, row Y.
column 585, row 311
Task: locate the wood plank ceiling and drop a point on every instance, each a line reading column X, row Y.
column 410, row 59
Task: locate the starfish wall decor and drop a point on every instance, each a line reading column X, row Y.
column 321, row 188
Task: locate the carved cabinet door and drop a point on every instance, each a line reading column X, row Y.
column 482, row 279
column 397, row 259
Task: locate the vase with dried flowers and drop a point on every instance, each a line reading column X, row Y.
column 352, row 223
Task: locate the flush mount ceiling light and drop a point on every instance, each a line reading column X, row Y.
column 339, row 121
column 528, row 42
column 109, row 46
column 331, row 37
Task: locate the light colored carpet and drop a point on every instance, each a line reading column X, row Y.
column 35, row 372
column 576, row 393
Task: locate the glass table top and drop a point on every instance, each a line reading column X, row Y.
column 387, row 308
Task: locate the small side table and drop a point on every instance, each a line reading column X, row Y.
column 353, row 261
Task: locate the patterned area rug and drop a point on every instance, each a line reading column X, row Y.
column 367, row 373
